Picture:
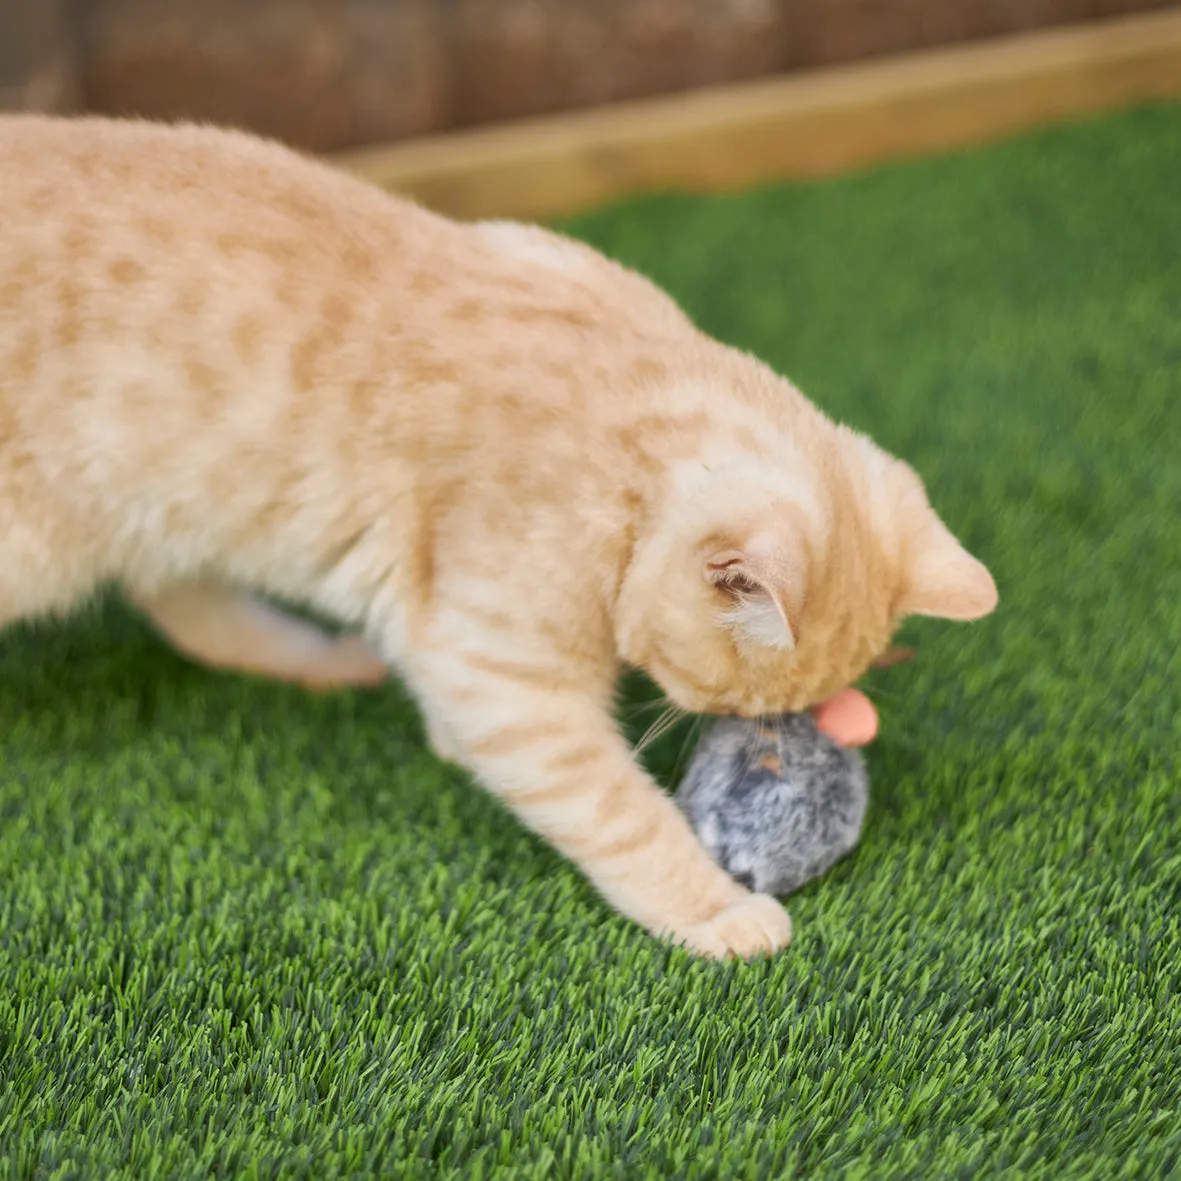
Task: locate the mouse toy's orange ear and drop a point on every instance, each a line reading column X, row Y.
column 847, row 717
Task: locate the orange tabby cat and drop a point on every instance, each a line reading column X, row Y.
column 511, row 464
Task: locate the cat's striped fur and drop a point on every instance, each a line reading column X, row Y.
column 510, row 464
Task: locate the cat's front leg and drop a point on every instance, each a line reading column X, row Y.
column 554, row 755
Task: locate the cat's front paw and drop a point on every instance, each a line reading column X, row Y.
column 755, row 924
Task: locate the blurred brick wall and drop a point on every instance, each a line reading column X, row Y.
column 38, row 63
column 328, row 74
column 318, row 73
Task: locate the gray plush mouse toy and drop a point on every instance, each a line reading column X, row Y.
column 776, row 802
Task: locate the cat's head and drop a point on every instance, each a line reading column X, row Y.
column 764, row 588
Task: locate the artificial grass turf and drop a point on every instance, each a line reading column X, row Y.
column 245, row 931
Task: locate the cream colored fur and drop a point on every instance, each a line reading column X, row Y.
column 509, row 464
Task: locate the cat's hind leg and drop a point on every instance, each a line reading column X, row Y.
column 226, row 628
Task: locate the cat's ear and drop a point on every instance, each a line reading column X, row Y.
column 763, row 588
column 944, row 580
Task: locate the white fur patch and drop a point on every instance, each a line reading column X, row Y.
column 756, row 620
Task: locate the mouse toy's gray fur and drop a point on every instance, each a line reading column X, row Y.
column 776, row 802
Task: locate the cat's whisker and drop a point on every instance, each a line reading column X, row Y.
column 669, row 722
column 631, row 712
column 669, row 718
column 688, row 746
column 751, row 748
column 635, row 708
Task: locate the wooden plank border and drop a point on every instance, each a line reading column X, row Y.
column 805, row 125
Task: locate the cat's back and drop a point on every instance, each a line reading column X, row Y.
column 129, row 217
column 168, row 287
column 174, row 182
column 157, row 280
column 120, row 229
